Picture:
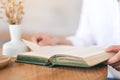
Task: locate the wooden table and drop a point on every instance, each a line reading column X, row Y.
column 22, row 71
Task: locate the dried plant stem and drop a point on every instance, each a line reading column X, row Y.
column 13, row 10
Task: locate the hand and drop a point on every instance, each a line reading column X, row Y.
column 115, row 60
column 43, row 39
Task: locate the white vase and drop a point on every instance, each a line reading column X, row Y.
column 15, row 45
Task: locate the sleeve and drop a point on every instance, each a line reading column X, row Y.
column 83, row 35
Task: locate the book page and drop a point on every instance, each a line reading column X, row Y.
column 48, row 51
column 72, row 51
column 86, row 51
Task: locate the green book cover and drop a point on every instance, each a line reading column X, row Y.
column 55, row 60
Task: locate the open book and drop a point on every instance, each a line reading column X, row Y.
column 64, row 55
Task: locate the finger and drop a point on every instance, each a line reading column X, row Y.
column 113, row 48
column 115, row 64
column 105, row 63
column 43, row 43
column 46, row 43
column 36, row 38
column 114, row 59
column 118, row 69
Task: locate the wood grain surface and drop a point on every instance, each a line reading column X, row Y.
column 22, row 71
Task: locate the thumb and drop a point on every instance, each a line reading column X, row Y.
column 114, row 59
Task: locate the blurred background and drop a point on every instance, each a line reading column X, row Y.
column 56, row 17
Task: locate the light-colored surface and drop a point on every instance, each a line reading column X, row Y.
column 59, row 17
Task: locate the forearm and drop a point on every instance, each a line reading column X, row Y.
column 64, row 42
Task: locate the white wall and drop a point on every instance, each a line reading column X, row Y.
column 59, row 17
